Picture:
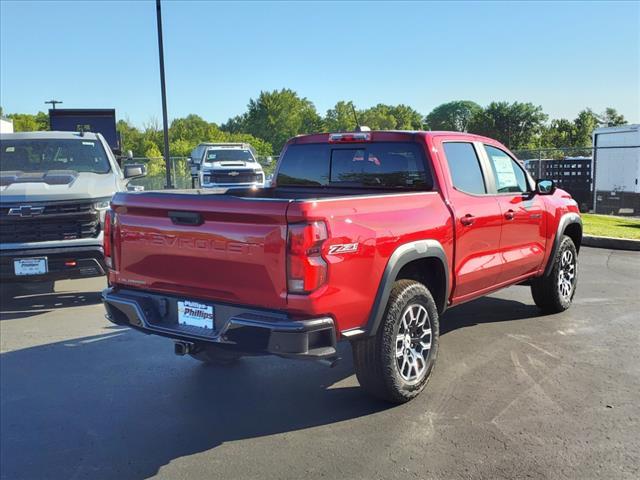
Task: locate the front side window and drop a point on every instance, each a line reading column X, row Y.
column 508, row 174
column 464, row 165
column 42, row 155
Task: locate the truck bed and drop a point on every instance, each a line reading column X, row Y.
column 236, row 249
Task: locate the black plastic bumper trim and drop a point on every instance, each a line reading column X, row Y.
column 90, row 263
column 244, row 329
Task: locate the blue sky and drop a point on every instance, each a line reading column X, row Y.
column 563, row 56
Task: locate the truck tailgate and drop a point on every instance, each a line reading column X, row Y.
column 235, row 251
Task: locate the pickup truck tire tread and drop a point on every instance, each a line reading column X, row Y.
column 375, row 358
column 545, row 291
column 216, row 356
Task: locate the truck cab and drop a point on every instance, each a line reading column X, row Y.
column 226, row 165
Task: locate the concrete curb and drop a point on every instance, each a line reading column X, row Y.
column 612, row 243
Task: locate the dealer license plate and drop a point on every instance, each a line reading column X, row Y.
column 195, row 314
column 30, row 266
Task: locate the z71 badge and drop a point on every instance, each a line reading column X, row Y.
column 343, row 248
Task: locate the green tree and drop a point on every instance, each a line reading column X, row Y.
column 26, row 122
column 558, row 133
column 584, row 124
column 611, row 118
column 455, row 116
column 279, row 115
column 192, row 128
column 516, row 124
column 390, row 117
column 340, row 118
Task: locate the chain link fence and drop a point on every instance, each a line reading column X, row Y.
column 601, row 180
column 180, row 170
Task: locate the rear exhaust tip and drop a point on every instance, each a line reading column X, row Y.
column 183, row 348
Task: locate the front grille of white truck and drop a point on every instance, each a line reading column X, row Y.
column 42, row 222
column 235, row 176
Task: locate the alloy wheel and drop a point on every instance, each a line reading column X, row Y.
column 413, row 343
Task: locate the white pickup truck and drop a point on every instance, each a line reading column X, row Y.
column 225, row 165
column 54, row 190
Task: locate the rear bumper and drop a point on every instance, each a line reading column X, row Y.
column 246, row 330
column 89, row 262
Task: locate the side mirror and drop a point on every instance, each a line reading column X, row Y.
column 545, row 187
column 129, row 155
column 135, row 171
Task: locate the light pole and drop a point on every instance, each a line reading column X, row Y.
column 165, row 123
column 53, row 103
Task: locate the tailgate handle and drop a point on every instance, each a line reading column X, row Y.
column 186, row 218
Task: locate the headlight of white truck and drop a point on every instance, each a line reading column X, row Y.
column 101, row 206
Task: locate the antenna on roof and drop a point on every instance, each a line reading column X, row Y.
column 359, row 128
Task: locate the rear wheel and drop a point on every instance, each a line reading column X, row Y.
column 397, row 362
column 216, row 356
column 554, row 293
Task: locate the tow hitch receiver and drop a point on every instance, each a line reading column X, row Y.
column 183, row 348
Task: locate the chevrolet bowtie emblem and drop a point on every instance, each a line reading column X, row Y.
column 26, row 211
column 233, row 174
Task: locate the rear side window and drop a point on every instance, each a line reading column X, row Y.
column 382, row 165
column 464, row 165
column 304, row 165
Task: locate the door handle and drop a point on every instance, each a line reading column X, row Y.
column 186, row 218
column 510, row 214
column 467, row 220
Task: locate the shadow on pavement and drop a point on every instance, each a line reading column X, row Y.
column 121, row 405
column 486, row 310
column 19, row 300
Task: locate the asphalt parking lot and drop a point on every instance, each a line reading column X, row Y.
column 514, row 394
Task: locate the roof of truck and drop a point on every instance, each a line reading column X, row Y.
column 48, row 135
column 388, row 135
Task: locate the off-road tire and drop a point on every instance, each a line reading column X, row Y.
column 375, row 358
column 546, row 290
column 216, row 356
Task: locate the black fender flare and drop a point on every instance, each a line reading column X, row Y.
column 566, row 220
column 404, row 254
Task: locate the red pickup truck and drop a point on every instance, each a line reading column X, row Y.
column 363, row 236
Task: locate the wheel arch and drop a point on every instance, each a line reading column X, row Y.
column 424, row 261
column 570, row 224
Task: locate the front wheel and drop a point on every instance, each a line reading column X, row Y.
column 554, row 293
column 397, row 362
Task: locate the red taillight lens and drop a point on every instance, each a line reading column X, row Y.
column 306, row 269
column 106, row 237
column 349, row 137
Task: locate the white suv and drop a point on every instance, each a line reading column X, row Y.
column 226, row 165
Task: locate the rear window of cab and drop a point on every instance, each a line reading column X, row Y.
column 371, row 165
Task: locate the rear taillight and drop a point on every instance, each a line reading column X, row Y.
column 349, row 137
column 306, row 269
column 107, row 238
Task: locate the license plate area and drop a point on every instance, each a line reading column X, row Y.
column 196, row 314
column 30, row 266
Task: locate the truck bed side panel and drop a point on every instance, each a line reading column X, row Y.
column 379, row 225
